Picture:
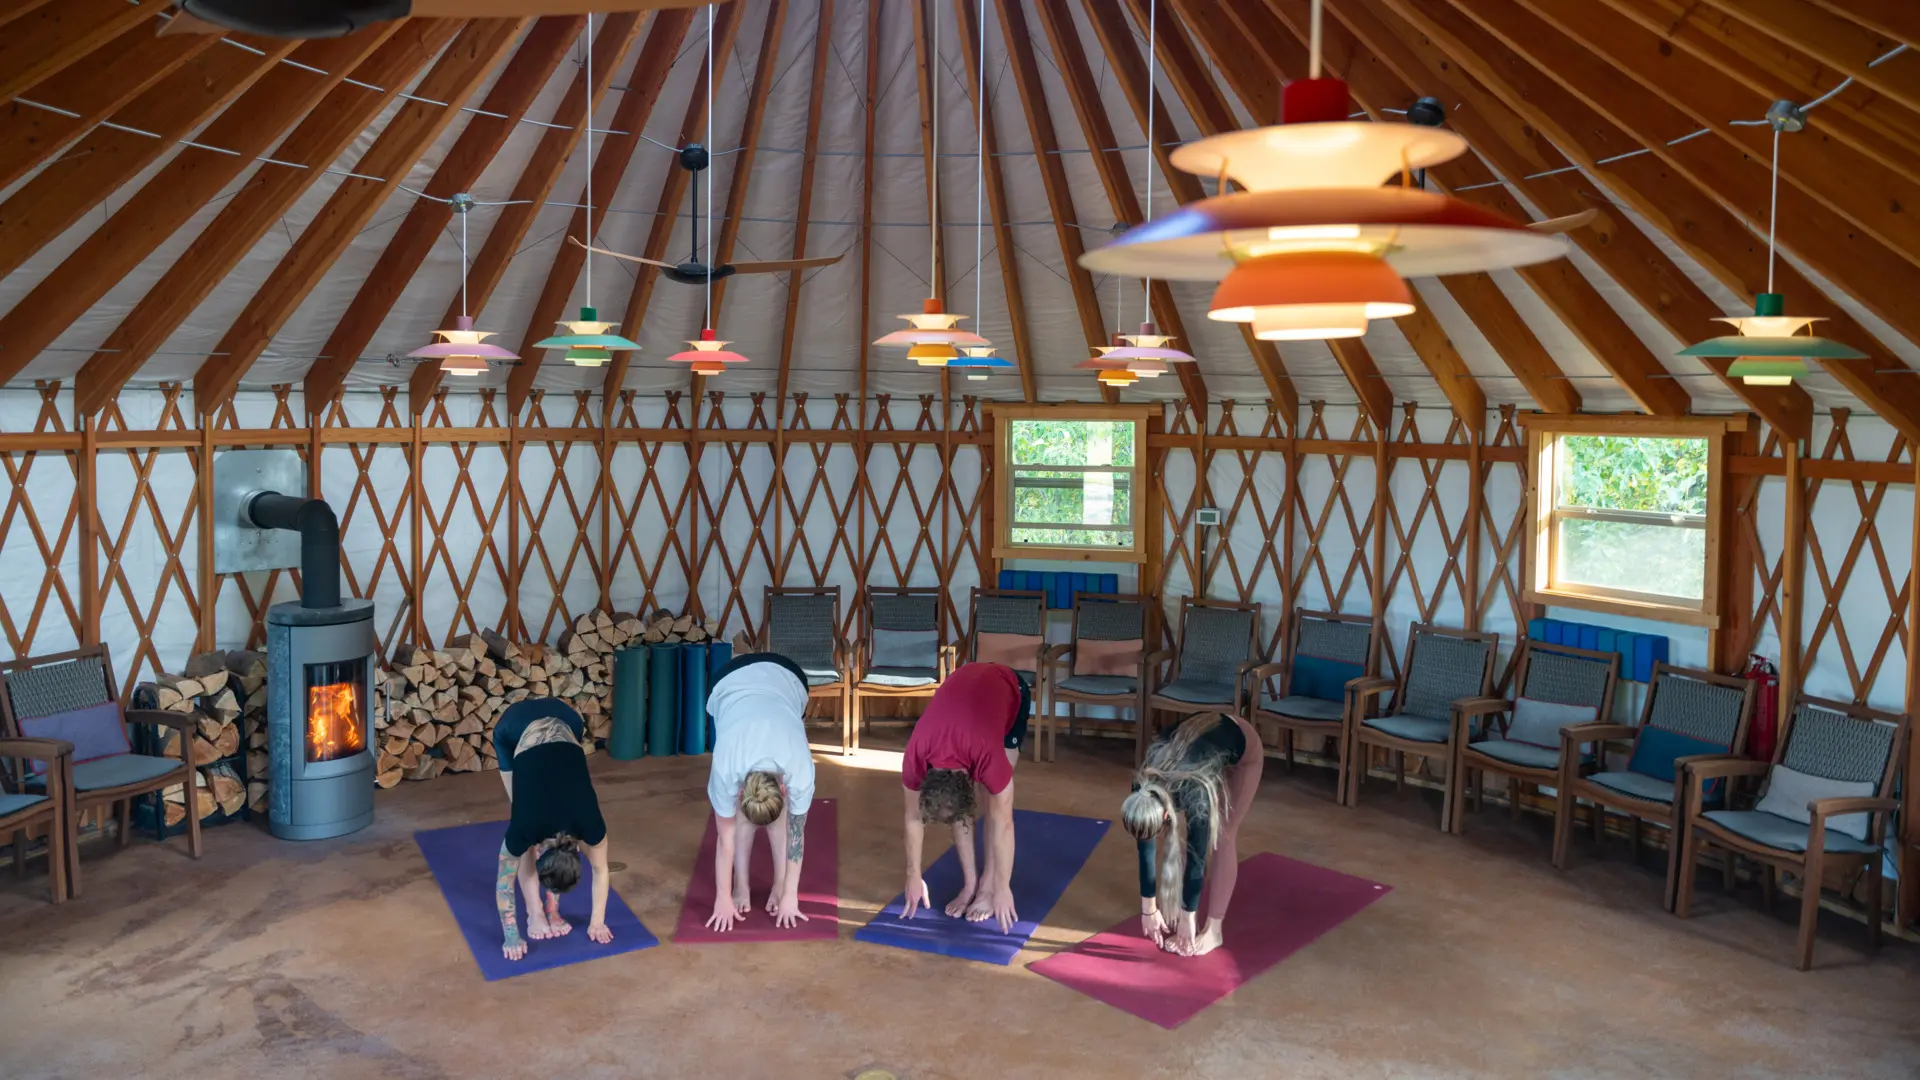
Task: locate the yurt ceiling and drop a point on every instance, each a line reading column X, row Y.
column 237, row 211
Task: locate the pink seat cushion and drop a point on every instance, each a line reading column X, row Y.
column 1018, row 651
column 95, row 732
column 1107, row 657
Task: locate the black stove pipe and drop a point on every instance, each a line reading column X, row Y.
column 319, row 542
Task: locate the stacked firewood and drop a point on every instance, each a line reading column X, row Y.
column 226, row 694
column 440, row 705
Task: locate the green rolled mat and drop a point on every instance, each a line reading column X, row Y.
column 628, row 739
column 663, row 700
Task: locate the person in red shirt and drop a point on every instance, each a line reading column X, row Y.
column 970, row 734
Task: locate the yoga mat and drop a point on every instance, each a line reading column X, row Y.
column 628, row 738
column 1048, row 850
column 1279, row 906
column 819, row 887
column 464, row 860
column 693, row 699
column 718, row 654
column 663, row 699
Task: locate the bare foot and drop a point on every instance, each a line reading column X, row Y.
column 556, row 924
column 982, row 907
column 742, row 899
column 540, row 928
column 1208, row 941
column 958, row 907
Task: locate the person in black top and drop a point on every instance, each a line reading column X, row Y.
column 555, row 813
column 1194, row 789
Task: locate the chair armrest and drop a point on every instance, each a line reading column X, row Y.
column 1267, row 671
column 35, row 749
column 949, row 659
column 1157, row 657
column 1714, row 766
column 1369, row 686
column 1481, row 706
column 1053, row 653
column 1595, row 733
column 183, row 722
column 1851, row 804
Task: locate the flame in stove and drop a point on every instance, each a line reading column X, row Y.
column 336, row 723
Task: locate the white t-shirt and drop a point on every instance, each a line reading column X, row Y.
column 759, row 723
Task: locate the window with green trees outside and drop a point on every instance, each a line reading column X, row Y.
column 1629, row 517
column 1070, row 483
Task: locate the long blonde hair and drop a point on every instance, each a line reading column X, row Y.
column 761, row 799
column 1151, row 810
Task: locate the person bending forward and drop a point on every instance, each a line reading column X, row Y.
column 555, row 813
column 762, row 778
column 1193, row 790
column 970, row 735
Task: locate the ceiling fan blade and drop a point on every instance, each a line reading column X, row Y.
column 778, row 265
column 183, row 23
column 575, row 241
column 1565, row 224
column 493, row 9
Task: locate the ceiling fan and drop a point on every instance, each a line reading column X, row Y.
column 694, row 159
column 332, row 18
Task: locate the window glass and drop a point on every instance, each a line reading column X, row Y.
column 1630, row 516
column 1072, row 482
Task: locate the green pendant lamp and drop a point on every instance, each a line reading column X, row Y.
column 588, row 341
column 1770, row 349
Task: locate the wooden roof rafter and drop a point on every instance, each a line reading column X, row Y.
column 803, row 203
column 42, row 41
column 1846, row 46
column 864, row 332
column 1897, row 19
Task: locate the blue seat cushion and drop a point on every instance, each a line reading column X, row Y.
column 1637, row 785
column 1784, row 834
column 1100, row 684
column 1319, row 677
column 1412, row 728
column 1656, row 749
column 900, row 678
column 13, row 804
column 1305, row 708
column 1525, row 755
column 1196, row 692
column 112, row 772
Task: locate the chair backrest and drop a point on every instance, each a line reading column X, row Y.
column 1443, row 666
column 1565, row 675
column 1329, row 651
column 36, row 687
column 1688, row 712
column 803, row 624
column 1006, row 626
column 1108, row 630
column 1834, row 749
column 1216, row 637
column 903, row 627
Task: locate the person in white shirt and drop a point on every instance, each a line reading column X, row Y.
column 762, row 778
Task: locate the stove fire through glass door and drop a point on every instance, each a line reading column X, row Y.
column 336, row 710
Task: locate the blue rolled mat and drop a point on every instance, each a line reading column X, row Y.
column 1048, row 851
column 464, row 860
column 719, row 653
column 663, row 700
column 627, row 738
column 693, row 699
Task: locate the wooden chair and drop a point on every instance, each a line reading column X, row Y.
column 1218, row 645
column 1826, row 805
column 1325, row 651
column 902, row 655
column 802, row 623
column 1558, row 685
column 1445, row 669
column 71, row 697
column 1102, row 663
column 22, row 811
column 1009, row 626
column 1689, row 713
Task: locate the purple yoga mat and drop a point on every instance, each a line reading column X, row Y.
column 464, row 860
column 1279, row 906
column 819, row 887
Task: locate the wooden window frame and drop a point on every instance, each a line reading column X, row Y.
column 1543, row 435
column 1004, row 546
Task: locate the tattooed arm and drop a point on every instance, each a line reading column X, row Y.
column 514, row 948
column 789, row 833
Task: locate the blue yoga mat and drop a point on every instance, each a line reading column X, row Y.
column 1048, row 851
column 464, row 860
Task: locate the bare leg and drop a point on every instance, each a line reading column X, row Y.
column 969, row 878
column 982, row 907
column 1243, row 782
column 743, row 831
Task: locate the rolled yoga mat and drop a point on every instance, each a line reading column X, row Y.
column 464, row 860
column 819, row 886
column 719, row 653
column 627, row 739
column 1048, row 851
column 693, row 699
column 663, row 700
column 1280, row 906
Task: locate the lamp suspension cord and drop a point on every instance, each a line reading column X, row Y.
column 1773, row 207
column 709, row 256
column 980, row 170
column 1313, row 41
column 933, row 168
column 463, row 264
column 588, row 42
column 1153, row 12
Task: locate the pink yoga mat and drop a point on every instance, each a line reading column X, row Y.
column 819, row 887
column 1279, row 906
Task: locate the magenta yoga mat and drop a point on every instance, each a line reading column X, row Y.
column 819, row 887
column 1280, row 906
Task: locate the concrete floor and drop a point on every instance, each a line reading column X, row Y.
column 338, row 959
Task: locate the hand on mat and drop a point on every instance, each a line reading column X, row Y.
column 1153, row 926
column 514, row 948
column 600, row 934
column 916, row 897
column 724, row 916
column 1003, row 912
column 958, row 908
column 786, row 913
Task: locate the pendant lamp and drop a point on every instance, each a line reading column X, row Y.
column 979, row 362
column 588, row 341
column 709, row 355
column 462, row 351
column 1770, row 349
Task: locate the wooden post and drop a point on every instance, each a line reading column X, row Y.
column 86, row 488
column 205, row 579
column 1729, row 642
column 606, row 497
column 1907, row 908
column 415, row 495
column 1476, row 505
column 1792, row 563
column 515, row 619
column 1377, row 579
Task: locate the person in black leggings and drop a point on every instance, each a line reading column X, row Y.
column 1193, row 790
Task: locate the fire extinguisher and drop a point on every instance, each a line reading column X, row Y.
column 1766, row 707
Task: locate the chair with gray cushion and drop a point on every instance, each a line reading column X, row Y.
column 1325, row 651
column 1826, row 803
column 1688, row 713
column 903, row 655
column 1009, row 626
column 24, row 814
column 1518, row 736
column 71, row 697
column 803, row 624
column 1218, row 646
column 1444, row 669
column 1103, row 664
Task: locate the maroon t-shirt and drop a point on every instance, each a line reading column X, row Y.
column 965, row 726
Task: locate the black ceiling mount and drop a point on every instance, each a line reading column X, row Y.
column 1427, row 112
column 296, row 18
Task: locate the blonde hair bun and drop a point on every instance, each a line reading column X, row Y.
column 761, row 799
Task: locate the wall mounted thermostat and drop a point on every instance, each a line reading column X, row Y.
column 1207, row 515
